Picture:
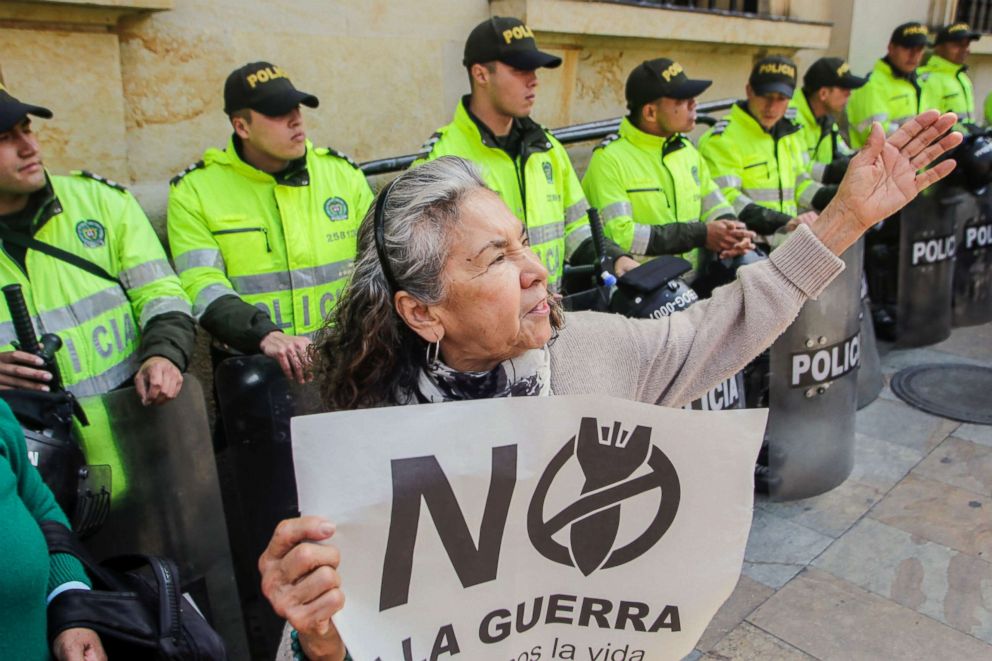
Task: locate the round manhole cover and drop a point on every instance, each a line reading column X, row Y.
column 958, row 392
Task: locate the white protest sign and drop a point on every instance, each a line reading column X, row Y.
column 532, row 528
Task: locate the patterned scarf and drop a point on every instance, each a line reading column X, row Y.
column 527, row 375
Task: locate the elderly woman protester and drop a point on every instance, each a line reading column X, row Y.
column 448, row 302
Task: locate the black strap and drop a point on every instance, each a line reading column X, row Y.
column 57, row 253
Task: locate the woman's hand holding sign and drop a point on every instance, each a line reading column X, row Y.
column 300, row 579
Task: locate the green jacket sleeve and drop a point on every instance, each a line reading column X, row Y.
column 607, row 192
column 164, row 312
column 196, row 252
column 726, row 168
column 37, row 498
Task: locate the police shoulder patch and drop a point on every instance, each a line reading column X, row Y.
column 334, row 152
column 103, row 180
column 720, row 126
column 193, row 166
column 791, row 113
column 613, row 137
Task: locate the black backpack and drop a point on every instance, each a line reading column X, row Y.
column 136, row 606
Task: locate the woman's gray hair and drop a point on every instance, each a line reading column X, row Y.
column 366, row 353
column 420, row 211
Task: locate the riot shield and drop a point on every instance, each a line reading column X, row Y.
column 256, row 403
column 927, row 243
column 870, row 372
column 166, row 500
column 813, row 390
column 973, row 269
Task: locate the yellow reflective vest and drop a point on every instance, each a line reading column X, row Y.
column 950, row 87
column 638, row 180
column 100, row 322
column 539, row 186
column 284, row 246
column 753, row 166
column 821, row 137
column 889, row 99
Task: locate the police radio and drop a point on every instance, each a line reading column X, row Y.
column 83, row 492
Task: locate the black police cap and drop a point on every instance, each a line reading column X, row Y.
column 654, row 79
column 265, row 88
column 910, row 35
column 956, row 32
column 506, row 40
column 831, row 72
column 12, row 111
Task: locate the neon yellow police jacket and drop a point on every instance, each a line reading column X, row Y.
column 752, row 166
column 638, row 181
column 950, row 87
column 889, row 99
column 99, row 322
column 540, row 186
column 284, row 246
column 821, row 137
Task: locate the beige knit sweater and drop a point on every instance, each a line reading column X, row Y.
column 674, row 360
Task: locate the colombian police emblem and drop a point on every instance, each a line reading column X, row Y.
column 336, row 208
column 91, row 233
column 548, row 174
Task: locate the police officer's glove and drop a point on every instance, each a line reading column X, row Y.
column 834, row 172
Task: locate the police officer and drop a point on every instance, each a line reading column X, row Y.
column 894, row 93
column 757, row 155
column 519, row 159
column 950, row 86
column 652, row 188
column 264, row 232
column 826, row 88
column 136, row 323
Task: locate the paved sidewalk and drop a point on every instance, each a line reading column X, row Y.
column 896, row 563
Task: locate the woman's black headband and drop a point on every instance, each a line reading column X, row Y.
column 379, row 222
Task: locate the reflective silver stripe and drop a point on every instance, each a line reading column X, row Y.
column 712, row 201
column 806, row 199
column 78, row 313
column 740, row 202
column 806, row 160
column 574, row 239
column 161, row 305
column 320, row 275
column 208, row 295
column 143, row 274
column 615, row 210
column 106, row 380
column 769, row 194
column 866, row 123
column 205, row 258
column 544, row 233
column 576, row 211
column 267, row 283
column 727, row 181
column 818, row 171
column 642, row 237
column 7, row 334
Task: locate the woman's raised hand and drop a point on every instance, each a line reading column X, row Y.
column 885, row 176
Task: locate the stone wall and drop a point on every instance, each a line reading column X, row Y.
column 136, row 85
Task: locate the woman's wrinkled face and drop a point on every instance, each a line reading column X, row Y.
column 496, row 290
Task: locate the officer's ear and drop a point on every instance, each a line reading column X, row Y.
column 240, row 121
column 649, row 114
column 822, row 94
column 479, row 73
